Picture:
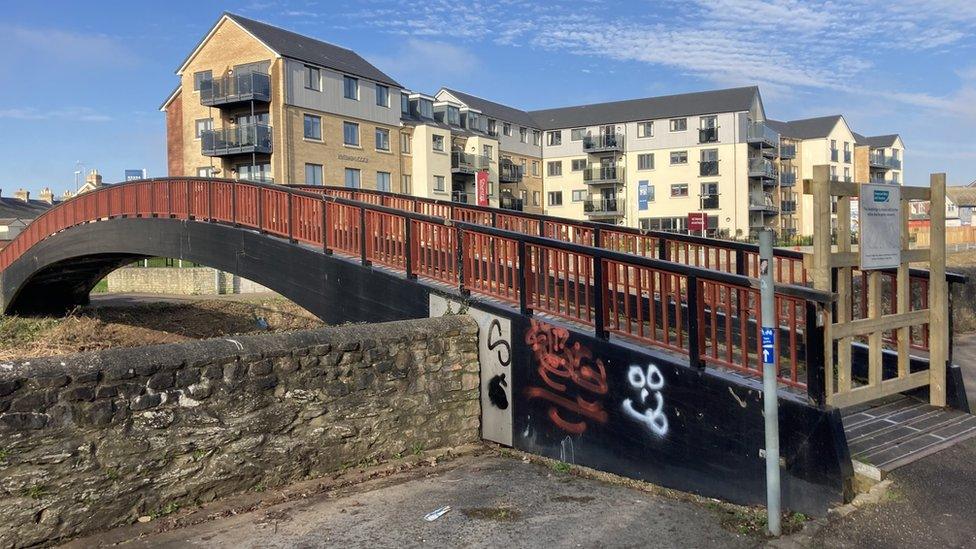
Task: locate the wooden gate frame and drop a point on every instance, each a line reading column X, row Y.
column 839, row 325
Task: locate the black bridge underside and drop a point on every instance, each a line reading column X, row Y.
column 57, row 274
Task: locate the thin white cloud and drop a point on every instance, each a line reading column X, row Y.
column 74, row 114
column 56, row 46
column 427, row 62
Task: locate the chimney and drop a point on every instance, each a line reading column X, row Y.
column 94, row 178
column 46, row 195
column 66, row 195
column 22, row 194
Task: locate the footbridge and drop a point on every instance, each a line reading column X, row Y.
column 628, row 351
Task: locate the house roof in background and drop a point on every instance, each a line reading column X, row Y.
column 15, row 208
column 492, row 109
column 876, row 141
column 962, row 196
column 630, row 110
column 807, row 128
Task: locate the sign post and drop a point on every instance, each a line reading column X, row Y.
column 697, row 221
column 770, row 398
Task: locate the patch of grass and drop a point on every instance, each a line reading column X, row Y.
column 4, row 454
column 753, row 521
column 101, row 287
column 112, row 473
column 259, row 488
column 561, row 467
column 416, row 448
column 35, row 491
column 17, row 331
column 198, row 454
column 499, row 514
column 167, row 509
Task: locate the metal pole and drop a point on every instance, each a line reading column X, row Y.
column 770, row 401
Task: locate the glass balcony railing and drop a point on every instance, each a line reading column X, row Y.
column 760, row 133
column 762, row 167
column 880, row 160
column 709, row 202
column 603, row 175
column 604, row 206
column 834, row 155
column 787, row 151
column 462, row 162
column 603, row 142
column 708, row 168
column 708, row 135
column 787, row 179
column 787, row 206
column 236, row 88
column 762, row 202
column 509, row 172
column 847, row 157
column 509, row 202
column 243, row 139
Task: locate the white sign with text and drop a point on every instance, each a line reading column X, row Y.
column 880, row 226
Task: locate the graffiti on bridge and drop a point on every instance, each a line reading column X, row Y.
column 559, row 365
column 646, row 383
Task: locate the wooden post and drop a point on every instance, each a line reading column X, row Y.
column 844, row 291
column 938, row 294
column 822, row 279
column 903, row 293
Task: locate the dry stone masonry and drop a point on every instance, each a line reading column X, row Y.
column 96, row 440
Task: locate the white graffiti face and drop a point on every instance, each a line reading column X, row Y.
column 648, row 385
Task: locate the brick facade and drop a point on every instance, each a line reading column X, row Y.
column 174, row 136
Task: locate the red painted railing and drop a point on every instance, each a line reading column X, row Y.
column 622, row 287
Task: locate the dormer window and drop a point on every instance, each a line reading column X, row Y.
column 404, row 104
column 426, row 108
column 453, row 116
column 350, row 87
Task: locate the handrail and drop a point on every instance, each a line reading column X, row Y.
column 589, row 285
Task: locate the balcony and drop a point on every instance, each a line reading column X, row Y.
column 235, row 89
column 787, row 206
column 762, row 203
column 787, row 179
column 708, row 135
column 878, row 160
column 760, row 134
column 834, row 155
column 603, row 207
column 244, row 139
column 602, row 175
column 509, row 172
column 709, row 202
column 847, row 157
column 464, row 197
column 467, row 163
column 603, row 143
column 708, row 168
column 509, row 202
column 762, row 168
column 787, row 152
column 882, row 181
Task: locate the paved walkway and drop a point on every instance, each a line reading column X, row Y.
column 495, row 501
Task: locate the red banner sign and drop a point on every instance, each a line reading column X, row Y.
column 481, row 187
column 697, row 221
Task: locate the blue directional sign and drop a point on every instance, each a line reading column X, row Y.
column 768, row 341
column 643, row 194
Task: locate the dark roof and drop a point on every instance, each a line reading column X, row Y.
column 494, row 110
column 808, row 128
column 11, row 207
column 876, row 141
column 686, row 104
column 310, row 50
column 962, row 196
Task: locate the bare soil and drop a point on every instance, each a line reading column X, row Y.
column 102, row 327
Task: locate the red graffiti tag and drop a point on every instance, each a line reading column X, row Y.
column 559, row 364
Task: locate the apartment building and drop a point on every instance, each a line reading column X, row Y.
column 261, row 103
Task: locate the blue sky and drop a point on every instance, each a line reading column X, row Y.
column 83, row 81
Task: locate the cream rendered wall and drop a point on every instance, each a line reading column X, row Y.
column 427, row 162
column 568, row 182
column 816, row 152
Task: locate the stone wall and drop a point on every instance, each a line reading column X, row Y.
column 96, row 440
column 181, row 281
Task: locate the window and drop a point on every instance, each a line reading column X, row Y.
column 405, row 184
column 382, row 139
column 453, row 116
column 679, row 124
column 708, row 122
column 847, row 174
column 202, row 125
column 556, row 198
column 313, row 80
column 536, row 138
column 522, row 167
column 507, row 129
column 894, row 177
column 313, row 127
column 576, row 134
column 488, row 151
column 350, row 88
column 383, row 181
column 404, row 104
column 405, row 143
column 535, row 168
column 205, row 172
column 645, row 129
column 650, row 193
column 426, row 108
column 350, row 133
column 438, row 142
column 382, row 96
column 554, row 138
column 709, row 162
column 313, row 174
column 645, row 161
column 523, row 195
column 579, row 196
column 439, row 183
column 554, row 168
column 709, row 196
column 492, row 127
column 847, row 146
column 524, row 135
column 579, row 164
column 352, row 178
column 202, row 80
column 679, row 157
column 679, row 190
column 536, row 198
